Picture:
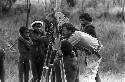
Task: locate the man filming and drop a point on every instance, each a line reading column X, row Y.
column 78, row 39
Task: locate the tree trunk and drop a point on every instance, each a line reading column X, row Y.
column 123, row 10
column 58, row 4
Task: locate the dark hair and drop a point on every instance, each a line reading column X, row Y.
column 69, row 27
column 85, row 17
column 22, row 29
column 66, row 48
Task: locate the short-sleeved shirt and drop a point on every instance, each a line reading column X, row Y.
column 83, row 40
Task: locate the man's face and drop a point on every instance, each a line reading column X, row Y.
column 37, row 26
column 65, row 32
column 83, row 24
column 26, row 34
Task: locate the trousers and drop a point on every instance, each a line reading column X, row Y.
column 24, row 68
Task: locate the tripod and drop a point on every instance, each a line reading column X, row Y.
column 46, row 67
column 48, row 73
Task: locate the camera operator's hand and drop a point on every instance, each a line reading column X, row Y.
column 57, row 43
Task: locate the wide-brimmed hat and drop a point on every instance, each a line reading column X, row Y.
column 35, row 23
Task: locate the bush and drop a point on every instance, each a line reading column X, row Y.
column 111, row 35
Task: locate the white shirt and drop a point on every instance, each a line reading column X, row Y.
column 83, row 40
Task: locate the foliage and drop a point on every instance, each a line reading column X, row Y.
column 5, row 5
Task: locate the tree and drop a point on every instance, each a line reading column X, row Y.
column 5, row 5
column 71, row 3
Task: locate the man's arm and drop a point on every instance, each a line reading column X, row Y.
column 27, row 43
column 22, row 47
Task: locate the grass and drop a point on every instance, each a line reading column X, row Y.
column 108, row 77
column 110, row 33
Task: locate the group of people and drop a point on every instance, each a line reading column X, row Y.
column 33, row 45
column 78, row 40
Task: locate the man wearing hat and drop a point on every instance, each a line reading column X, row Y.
column 37, row 50
column 36, row 26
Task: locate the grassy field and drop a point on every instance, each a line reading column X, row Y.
column 109, row 31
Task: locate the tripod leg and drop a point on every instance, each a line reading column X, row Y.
column 47, row 75
column 53, row 75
